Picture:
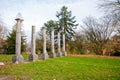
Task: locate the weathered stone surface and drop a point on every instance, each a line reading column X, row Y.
column 59, row 48
column 44, row 54
column 52, row 55
column 59, row 54
column 2, row 64
column 33, row 55
column 64, row 52
column 18, row 59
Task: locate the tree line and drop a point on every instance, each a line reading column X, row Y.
column 95, row 36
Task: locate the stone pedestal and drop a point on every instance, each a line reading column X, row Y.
column 33, row 56
column 44, row 54
column 64, row 52
column 52, row 55
column 18, row 57
column 59, row 48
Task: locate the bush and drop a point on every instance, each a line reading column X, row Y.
column 82, row 51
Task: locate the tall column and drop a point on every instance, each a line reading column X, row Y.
column 59, row 48
column 44, row 54
column 18, row 57
column 52, row 55
column 33, row 56
column 64, row 52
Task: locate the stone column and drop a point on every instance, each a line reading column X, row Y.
column 64, row 52
column 59, row 48
column 33, row 56
column 18, row 57
column 44, row 54
column 52, row 55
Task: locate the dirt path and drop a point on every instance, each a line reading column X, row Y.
column 91, row 55
column 5, row 78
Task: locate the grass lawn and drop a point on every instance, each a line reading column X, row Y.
column 63, row 68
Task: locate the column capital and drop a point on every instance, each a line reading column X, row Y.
column 52, row 28
column 19, row 17
column 18, row 57
column 33, row 25
column 43, row 28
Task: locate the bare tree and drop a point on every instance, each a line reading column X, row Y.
column 98, row 32
column 3, row 29
column 3, row 34
column 112, row 8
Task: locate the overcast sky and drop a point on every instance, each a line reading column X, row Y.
column 37, row 12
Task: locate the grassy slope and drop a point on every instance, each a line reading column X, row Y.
column 65, row 68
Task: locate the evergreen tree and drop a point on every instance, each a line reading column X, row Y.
column 51, row 24
column 11, row 42
column 67, row 22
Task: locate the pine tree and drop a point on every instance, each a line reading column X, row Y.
column 67, row 23
column 11, row 42
column 51, row 24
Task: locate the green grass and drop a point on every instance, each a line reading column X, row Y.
column 7, row 59
column 64, row 68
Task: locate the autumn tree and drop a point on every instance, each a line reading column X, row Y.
column 98, row 32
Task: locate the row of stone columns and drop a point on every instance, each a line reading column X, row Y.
column 18, row 57
column 53, row 54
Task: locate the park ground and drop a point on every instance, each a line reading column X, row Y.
column 71, row 67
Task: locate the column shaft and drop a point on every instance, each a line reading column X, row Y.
column 33, row 55
column 44, row 41
column 64, row 52
column 33, row 41
column 59, row 48
column 18, row 38
column 52, row 55
column 44, row 55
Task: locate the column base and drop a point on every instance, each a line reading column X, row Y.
column 64, row 53
column 45, row 56
column 59, row 54
column 18, row 59
column 52, row 55
column 33, row 57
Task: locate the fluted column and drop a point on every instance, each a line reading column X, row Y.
column 33, row 56
column 44, row 54
column 59, row 48
column 52, row 55
column 18, row 57
column 63, row 48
